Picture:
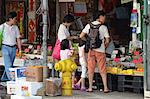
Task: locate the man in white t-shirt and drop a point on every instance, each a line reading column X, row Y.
column 11, row 38
column 98, row 54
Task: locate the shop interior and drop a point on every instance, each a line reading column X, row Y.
column 124, row 58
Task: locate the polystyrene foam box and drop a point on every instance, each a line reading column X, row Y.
column 25, row 97
column 26, row 88
column 17, row 73
column 11, row 87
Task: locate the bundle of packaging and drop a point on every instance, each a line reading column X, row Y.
column 25, row 82
column 53, row 87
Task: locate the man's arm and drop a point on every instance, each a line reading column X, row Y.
column 106, row 42
column 104, row 30
column 85, row 31
column 19, row 44
column 82, row 34
column 72, row 37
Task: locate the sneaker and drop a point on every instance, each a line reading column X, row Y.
column 3, row 84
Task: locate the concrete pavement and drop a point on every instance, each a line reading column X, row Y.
column 100, row 95
column 77, row 94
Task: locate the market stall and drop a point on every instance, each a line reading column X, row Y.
column 124, row 63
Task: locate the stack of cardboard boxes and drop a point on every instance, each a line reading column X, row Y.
column 25, row 82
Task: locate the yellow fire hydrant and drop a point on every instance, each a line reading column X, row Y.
column 66, row 67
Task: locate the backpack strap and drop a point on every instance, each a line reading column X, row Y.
column 92, row 26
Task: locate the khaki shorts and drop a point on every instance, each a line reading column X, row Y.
column 96, row 57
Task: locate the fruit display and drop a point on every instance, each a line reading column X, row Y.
column 129, row 64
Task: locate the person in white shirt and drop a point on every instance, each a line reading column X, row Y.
column 63, row 32
column 11, row 38
column 98, row 54
column 83, row 63
column 65, row 52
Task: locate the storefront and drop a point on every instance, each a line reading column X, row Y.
column 29, row 19
column 124, row 63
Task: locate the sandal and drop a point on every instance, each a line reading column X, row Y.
column 107, row 91
column 83, row 89
column 89, row 90
column 76, row 87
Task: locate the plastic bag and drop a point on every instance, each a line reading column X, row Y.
column 56, row 50
column 1, row 37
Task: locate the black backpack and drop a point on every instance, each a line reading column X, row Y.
column 93, row 38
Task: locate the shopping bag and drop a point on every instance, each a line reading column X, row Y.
column 1, row 36
column 56, row 50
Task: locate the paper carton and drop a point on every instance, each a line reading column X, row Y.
column 53, row 86
column 34, row 73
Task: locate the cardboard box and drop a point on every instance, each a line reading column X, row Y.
column 34, row 73
column 26, row 88
column 53, row 86
column 11, row 87
column 25, row 97
column 17, row 73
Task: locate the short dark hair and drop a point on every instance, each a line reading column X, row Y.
column 64, row 44
column 68, row 18
column 99, row 13
column 11, row 15
column 81, row 42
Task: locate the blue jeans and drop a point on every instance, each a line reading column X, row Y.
column 9, row 54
